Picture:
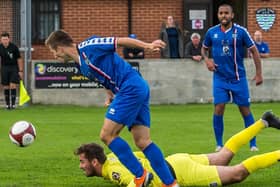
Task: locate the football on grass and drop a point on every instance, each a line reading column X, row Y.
column 22, row 133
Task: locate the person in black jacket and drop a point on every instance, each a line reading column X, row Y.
column 193, row 48
column 172, row 35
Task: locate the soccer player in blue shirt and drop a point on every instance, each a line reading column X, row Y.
column 127, row 98
column 262, row 46
column 227, row 41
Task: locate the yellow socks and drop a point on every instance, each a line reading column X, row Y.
column 243, row 137
column 261, row 161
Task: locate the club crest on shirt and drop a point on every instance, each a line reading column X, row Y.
column 226, row 49
column 11, row 55
column 116, row 176
column 213, row 184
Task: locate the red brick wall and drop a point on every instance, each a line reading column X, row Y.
column 273, row 35
column 6, row 14
column 82, row 18
column 148, row 16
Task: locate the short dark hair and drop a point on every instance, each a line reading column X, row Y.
column 91, row 151
column 59, row 38
column 227, row 5
column 5, row 34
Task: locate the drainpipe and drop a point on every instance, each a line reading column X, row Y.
column 129, row 16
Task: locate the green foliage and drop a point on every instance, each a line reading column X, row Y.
column 175, row 128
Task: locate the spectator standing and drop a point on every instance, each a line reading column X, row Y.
column 193, row 48
column 133, row 53
column 262, row 46
column 172, row 35
column 227, row 40
column 11, row 71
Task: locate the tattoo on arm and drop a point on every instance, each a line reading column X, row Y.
column 204, row 52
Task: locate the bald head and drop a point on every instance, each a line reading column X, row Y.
column 258, row 36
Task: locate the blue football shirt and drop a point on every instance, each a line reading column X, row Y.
column 227, row 49
column 262, row 47
column 100, row 62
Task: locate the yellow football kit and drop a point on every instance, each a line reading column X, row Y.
column 190, row 170
column 193, row 170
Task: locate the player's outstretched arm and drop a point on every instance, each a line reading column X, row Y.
column 155, row 46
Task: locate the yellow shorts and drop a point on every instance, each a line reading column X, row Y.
column 194, row 170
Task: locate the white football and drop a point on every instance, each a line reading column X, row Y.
column 22, row 133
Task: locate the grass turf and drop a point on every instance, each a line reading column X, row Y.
column 60, row 129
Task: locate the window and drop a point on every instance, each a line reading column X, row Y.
column 45, row 19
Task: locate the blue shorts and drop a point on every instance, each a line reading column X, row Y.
column 223, row 90
column 131, row 104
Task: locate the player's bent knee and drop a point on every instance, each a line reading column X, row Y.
column 106, row 138
column 240, row 174
column 142, row 143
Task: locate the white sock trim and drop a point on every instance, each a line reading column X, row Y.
column 265, row 123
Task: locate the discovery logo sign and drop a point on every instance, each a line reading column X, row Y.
column 51, row 68
column 60, row 75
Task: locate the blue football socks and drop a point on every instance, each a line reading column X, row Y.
column 122, row 150
column 155, row 156
column 249, row 120
column 218, row 125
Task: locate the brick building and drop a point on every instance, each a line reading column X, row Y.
column 82, row 18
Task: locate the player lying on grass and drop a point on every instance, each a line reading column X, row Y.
column 188, row 169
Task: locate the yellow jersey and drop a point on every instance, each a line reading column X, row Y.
column 190, row 170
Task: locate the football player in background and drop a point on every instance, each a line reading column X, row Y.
column 127, row 98
column 227, row 41
column 188, row 169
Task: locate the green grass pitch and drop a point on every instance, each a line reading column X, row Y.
column 60, row 129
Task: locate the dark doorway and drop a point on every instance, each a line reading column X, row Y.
column 200, row 15
column 239, row 8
